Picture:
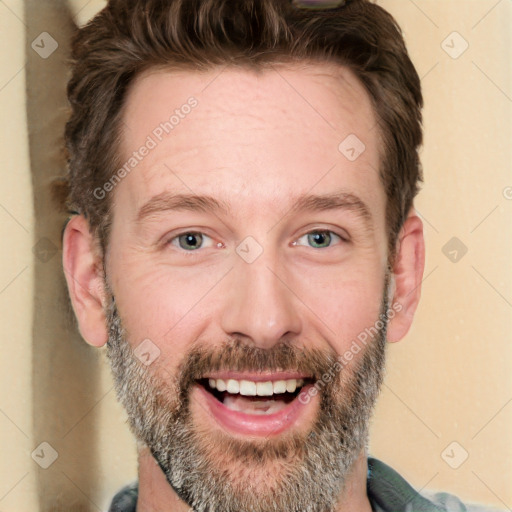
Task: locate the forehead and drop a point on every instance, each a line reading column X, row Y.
column 251, row 136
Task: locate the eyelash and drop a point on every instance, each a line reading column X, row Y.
column 315, row 231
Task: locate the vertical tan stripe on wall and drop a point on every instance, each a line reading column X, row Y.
column 65, row 368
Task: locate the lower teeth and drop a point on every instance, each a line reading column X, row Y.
column 248, row 406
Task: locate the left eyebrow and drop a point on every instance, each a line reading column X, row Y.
column 340, row 201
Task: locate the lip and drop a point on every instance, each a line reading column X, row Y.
column 257, row 377
column 251, row 424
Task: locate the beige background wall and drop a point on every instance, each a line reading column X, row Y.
column 448, row 382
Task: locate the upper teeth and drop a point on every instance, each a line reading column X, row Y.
column 251, row 388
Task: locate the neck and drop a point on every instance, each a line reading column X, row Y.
column 156, row 494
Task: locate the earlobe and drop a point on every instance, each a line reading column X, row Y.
column 407, row 275
column 84, row 276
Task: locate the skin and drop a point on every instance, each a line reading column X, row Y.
column 254, row 142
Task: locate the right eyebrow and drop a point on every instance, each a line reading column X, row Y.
column 167, row 201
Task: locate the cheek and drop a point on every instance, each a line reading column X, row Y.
column 166, row 305
column 346, row 302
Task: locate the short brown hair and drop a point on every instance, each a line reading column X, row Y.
column 129, row 36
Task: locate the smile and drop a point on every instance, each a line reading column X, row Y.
column 260, row 405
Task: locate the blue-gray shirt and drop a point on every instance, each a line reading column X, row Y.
column 387, row 492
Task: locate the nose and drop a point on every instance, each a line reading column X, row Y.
column 259, row 304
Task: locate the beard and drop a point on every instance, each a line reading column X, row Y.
column 214, row 472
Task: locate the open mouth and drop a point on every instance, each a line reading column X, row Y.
column 252, row 397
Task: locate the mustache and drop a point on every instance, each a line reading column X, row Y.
column 237, row 355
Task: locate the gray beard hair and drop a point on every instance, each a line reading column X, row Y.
column 213, row 472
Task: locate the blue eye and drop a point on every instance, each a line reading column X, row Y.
column 319, row 239
column 190, row 241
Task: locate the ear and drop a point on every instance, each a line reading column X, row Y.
column 84, row 275
column 407, row 275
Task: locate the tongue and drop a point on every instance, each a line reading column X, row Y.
column 251, row 406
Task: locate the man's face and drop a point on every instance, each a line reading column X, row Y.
column 221, row 257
